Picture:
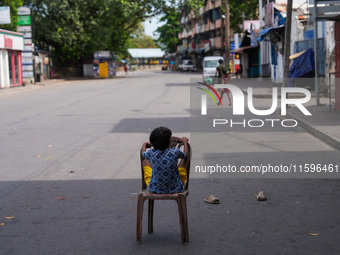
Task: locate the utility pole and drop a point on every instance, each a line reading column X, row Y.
column 287, row 41
column 316, row 59
column 227, row 26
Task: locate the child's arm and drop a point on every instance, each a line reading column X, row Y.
column 185, row 141
column 146, row 145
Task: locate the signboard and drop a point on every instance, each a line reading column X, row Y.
column 5, row 15
column 251, row 25
column 27, row 74
column 24, row 20
column 24, row 26
column 28, row 47
column 24, row 29
column 185, row 43
column 102, row 54
column 24, row 11
column 269, row 17
column 27, row 67
column 26, row 57
column 27, row 35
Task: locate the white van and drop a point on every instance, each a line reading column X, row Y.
column 209, row 66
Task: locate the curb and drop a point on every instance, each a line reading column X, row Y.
column 323, row 136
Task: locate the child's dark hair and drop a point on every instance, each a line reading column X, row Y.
column 160, row 138
column 220, row 61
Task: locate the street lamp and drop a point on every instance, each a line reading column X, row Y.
column 222, row 35
column 169, row 25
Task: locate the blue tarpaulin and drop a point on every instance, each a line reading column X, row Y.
column 302, row 65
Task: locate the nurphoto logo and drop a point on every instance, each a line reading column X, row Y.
column 239, row 105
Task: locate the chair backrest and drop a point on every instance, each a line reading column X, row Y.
column 173, row 143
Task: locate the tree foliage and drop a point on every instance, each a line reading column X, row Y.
column 237, row 9
column 168, row 33
column 13, row 5
column 77, row 29
column 141, row 41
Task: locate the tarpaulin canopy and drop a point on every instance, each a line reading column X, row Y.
column 302, row 65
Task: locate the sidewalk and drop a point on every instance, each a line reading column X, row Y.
column 323, row 124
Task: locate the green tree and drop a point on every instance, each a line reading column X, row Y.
column 248, row 9
column 141, row 41
column 13, row 5
column 77, row 29
column 168, row 33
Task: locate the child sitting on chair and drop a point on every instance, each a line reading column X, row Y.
column 161, row 172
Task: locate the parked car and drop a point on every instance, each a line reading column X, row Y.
column 187, row 65
column 209, row 66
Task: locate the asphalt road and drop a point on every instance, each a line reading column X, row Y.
column 70, row 175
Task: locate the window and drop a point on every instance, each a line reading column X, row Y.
column 211, row 63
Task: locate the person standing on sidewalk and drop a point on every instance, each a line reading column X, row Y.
column 223, row 75
column 126, row 69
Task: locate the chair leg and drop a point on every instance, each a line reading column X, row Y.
column 185, row 219
column 150, row 216
column 180, row 213
column 140, row 204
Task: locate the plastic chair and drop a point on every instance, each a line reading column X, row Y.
column 181, row 199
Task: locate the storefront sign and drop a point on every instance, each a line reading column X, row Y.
column 11, row 40
column 8, row 42
column 5, row 15
column 24, row 20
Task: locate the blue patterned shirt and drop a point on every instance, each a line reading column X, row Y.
column 165, row 177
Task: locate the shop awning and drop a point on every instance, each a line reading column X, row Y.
column 146, row 53
column 266, row 31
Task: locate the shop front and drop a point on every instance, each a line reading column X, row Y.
column 11, row 46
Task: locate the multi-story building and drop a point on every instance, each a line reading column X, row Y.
column 201, row 33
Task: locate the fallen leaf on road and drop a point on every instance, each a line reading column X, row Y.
column 314, row 234
column 50, row 146
column 39, row 156
column 1, row 224
column 10, row 218
column 62, row 198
